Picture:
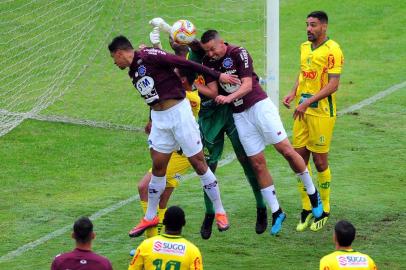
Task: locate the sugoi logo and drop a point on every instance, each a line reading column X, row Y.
column 169, row 247
column 227, row 62
column 309, row 74
column 142, row 70
column 351, row 261
column 158, row 245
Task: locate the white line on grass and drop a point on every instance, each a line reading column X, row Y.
column 228, row 159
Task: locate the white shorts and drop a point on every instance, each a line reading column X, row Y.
column 173, row 128
column 259, row 126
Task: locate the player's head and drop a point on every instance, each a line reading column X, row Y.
column 344, row 233
column 122, row 51
column 316, row 25
column 187, row 76
column 213, row 44
column 83, row 230
column 174, row 219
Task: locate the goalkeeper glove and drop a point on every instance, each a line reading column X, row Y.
column 159, row 22
column 154, row 38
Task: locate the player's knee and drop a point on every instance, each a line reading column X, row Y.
column 258, row 164
column 321, row 165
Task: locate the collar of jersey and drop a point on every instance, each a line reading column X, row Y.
column 171, row 235
column 324, row 42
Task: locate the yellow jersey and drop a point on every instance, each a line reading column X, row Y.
column 166, row 252
column 194, row 99
column 348, row 260
column 315, row 65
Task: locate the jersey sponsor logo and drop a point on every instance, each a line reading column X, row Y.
column 311, row 75
column 244, row 57
column 227, row 62
column 142, row 70
column 349, row 261
column 154, row 51
column 331, row 61
column 146, row 87
column 164, row 247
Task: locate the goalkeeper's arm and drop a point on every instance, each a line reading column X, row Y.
column 159, row 22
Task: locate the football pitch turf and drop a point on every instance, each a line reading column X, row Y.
column 52, row 173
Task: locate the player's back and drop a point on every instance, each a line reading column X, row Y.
column 347, row 259
column 167, row 251
column 81, row 260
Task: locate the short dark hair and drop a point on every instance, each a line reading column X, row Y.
column 345, row 233
column 82, row 229
column 209, row 35
column 120, row 43
column 188, row 73
column 321, row 15
column 174, row 218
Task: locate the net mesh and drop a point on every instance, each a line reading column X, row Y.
column 55, row 65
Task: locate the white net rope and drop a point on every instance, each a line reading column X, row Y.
column 55, row 65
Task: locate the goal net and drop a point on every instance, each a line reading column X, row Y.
column 55, row 65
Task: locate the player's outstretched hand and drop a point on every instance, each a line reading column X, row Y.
column 287, row 100
column 154, row 36
column 159, row 22
column 229, row 78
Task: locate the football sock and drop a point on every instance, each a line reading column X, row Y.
column 150, row 232
column 307, row 181
column 161, row 214
column 210, row 186
column 324, row 179
column 155, row 189
column 208, row 204
column 269, row 195
column 303, row 196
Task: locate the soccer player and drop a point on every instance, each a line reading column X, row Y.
column 215, row 120
column 82, row 257
column 169, row 250
column 321, row 62
column 178, row 163
column 173, row 125
column 345, row 257
column 256, row 118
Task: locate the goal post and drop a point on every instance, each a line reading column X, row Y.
column 272, row 50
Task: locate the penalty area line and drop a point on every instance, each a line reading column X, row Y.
column 227, row 160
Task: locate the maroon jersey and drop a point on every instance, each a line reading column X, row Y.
column 237, row 61
column 152, row 73
column 80, row 259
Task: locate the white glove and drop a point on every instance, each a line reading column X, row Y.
column 154, row 36
column 159, row 22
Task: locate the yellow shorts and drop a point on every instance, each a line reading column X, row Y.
column 177, row 167
column 314, row 133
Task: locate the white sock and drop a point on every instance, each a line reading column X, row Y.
column 307, row 182
column 269, row 195
column 210, row 186
column 155, row 189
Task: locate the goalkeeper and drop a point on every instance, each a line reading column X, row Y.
column 215, row 121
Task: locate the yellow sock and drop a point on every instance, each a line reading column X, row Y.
column 324, row 179
column 161, row 214
column 150, row 232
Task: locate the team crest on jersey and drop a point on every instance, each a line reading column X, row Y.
column 352, row 261
column 142, row 70
column 164, row 247
column 227, row 62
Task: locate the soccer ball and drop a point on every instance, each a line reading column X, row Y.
column 183, row 32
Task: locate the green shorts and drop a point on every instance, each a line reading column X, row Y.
column 214, row 122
